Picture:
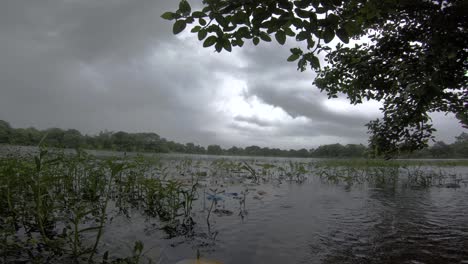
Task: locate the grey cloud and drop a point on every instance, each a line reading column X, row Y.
column 114, row 64
column 305, row 103
column 277, row 82
column 353, row 134
column 87, row 64
column 87, row 30
column 253, row 120
column 308, row 130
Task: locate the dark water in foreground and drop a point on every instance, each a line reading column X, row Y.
column 320, row 223
column 315, row 221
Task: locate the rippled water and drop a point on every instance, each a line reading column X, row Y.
column 312, row 222
column 316, row 222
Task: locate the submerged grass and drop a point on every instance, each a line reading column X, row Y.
column 360, row 163
column 54, row 207
column 383, row 173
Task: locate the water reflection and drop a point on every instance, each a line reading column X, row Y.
column 403, row 227
column 283, row 211
column 318, row 221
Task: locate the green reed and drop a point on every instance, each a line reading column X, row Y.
column 54, row 207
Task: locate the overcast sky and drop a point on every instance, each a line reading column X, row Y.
column 114, row 64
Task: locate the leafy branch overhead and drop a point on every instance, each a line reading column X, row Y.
column 409, row 54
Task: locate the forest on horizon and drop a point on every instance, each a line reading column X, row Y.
column 153, row 143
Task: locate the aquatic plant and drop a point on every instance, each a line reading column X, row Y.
column 252, row 172
column 214, row 197
column 242, row 211
column 55, row 206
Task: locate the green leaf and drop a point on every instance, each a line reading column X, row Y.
column 337, row 2
column 333, row 19
column 316, row 4
column 240, row 18
column 301, row 64
column 202, row 21
column 293, row 57
column 184, row 7
column 343, row 35
column 302, row 13
column 302, row 3
column 289, row 32
column 371, row 11
column 222, row 21
column 168, row 16
column 321, row 10
column 351, row 28
column 89, row 229
column 314, row 62
column 270, row 25
column 297, row 22
column 296, row 51
column 328, row 35
column 195, row 29
column 229, row 28
column 210, row 41
column 227, row 45
column 302, row 36
column 243, row 32
column 280, row 37
column 198, row 14
column 284, row 4
column 310, row 43
column 178, row 27
column 219, row 46
column 265, row 37
column 202, row 34
column 255, row 41
column 238, row 42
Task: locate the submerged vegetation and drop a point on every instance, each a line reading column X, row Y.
column 153, row 143
column 51, row 203
column 55, row 207
column 362, row 163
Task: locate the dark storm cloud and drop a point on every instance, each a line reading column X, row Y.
column 100, row 65
column 87, row 29
column 306, row 103
column 278, row 83
column 114, row 64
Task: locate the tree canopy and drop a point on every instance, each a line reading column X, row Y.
column 409, row 54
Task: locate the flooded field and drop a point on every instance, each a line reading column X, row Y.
column 116, row 208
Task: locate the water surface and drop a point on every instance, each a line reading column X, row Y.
column 313, row 220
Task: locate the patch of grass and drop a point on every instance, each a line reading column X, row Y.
column 54, row 207
column 360, row 163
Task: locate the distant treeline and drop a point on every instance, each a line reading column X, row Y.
column 152, row 142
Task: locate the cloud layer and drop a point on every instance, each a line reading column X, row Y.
column 115, row 65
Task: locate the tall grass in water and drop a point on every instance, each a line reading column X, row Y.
column 380, row 173
column 54, row 208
